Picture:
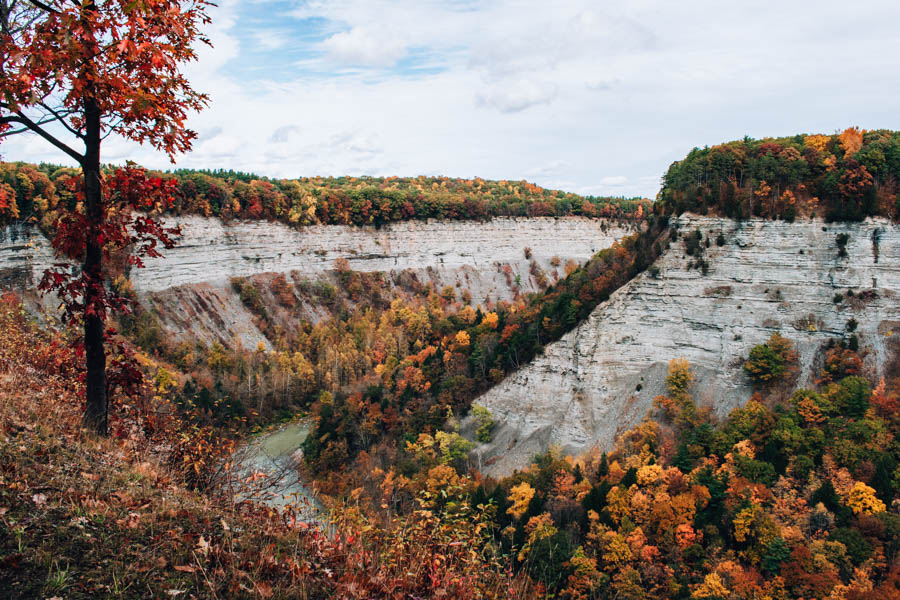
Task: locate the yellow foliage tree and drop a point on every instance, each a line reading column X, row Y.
column 616, row 549
column 441, row 478
column 712, row 587
column 862, row 500
column 817, row 142
column 521, row 496
column 462, row 339
column 679, row 378
column 618, row 504
column 538, row 528
column 649, row 474
column 468, row 315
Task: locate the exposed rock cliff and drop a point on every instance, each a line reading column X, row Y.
column 189, row 287
column 24, row 254
column 600, row 379
column 444, row 252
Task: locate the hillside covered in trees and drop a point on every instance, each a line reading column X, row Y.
column 793, row 496
column 841, row 177
column 38, row 192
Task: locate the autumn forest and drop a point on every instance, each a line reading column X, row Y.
column 327, row 431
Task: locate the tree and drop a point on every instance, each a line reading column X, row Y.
column 520, row 496
column 74, row 73
column 771, row 361
column 862, row 499
column 485, row 421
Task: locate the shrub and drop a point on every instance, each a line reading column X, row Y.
column 770, row 361
column 250, row 296
column 842, row 239
column 692, row 243
column 485, row 421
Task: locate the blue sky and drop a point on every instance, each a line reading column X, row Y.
column 589, row 96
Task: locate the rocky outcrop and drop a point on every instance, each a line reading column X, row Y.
column 24, row 254
column 189, row 287
column 599, row 380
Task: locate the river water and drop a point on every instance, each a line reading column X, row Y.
column 267, row 471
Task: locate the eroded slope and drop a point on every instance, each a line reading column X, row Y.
column 601, row 378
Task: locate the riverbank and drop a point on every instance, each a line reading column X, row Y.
column 267, row 471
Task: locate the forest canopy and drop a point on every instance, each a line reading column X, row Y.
column 37, row 192
column 843, row 177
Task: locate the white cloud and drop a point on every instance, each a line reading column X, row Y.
column 363, row 46
column 515, row 96
column 614, row 181
column 602, row 85
column 271, row 40
column 283, row 134
column 554, row 167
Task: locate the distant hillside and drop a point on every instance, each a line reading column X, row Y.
column 842, row 177
column 29, row 191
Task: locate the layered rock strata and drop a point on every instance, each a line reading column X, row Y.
column 446, row 252
column 793, row 278
column 190, row 292
column 24, row 254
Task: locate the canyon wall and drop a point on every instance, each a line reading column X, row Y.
column 24, row 254
column 600, row 379
column 189, row 287
column 445, row 252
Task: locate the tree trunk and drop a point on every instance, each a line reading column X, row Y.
column 96, row 407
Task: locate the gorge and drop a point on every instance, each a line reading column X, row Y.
column 600, row 379
column 189, row 289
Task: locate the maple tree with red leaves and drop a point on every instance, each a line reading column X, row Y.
column 75, row 73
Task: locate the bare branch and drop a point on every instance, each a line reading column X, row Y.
column 36, row 128
column 41, row 121
column 61, row 119
column 112, row 128
column 45, row 7
column 14, row 20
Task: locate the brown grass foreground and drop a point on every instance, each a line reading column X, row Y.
column 82, row 517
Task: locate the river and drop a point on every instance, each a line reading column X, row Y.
column 267, row 467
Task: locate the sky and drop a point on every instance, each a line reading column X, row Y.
column 589, row 96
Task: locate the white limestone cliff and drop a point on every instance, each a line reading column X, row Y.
column 189, row 286
column 600, row 379
column 442, row 251
column 24, row 254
